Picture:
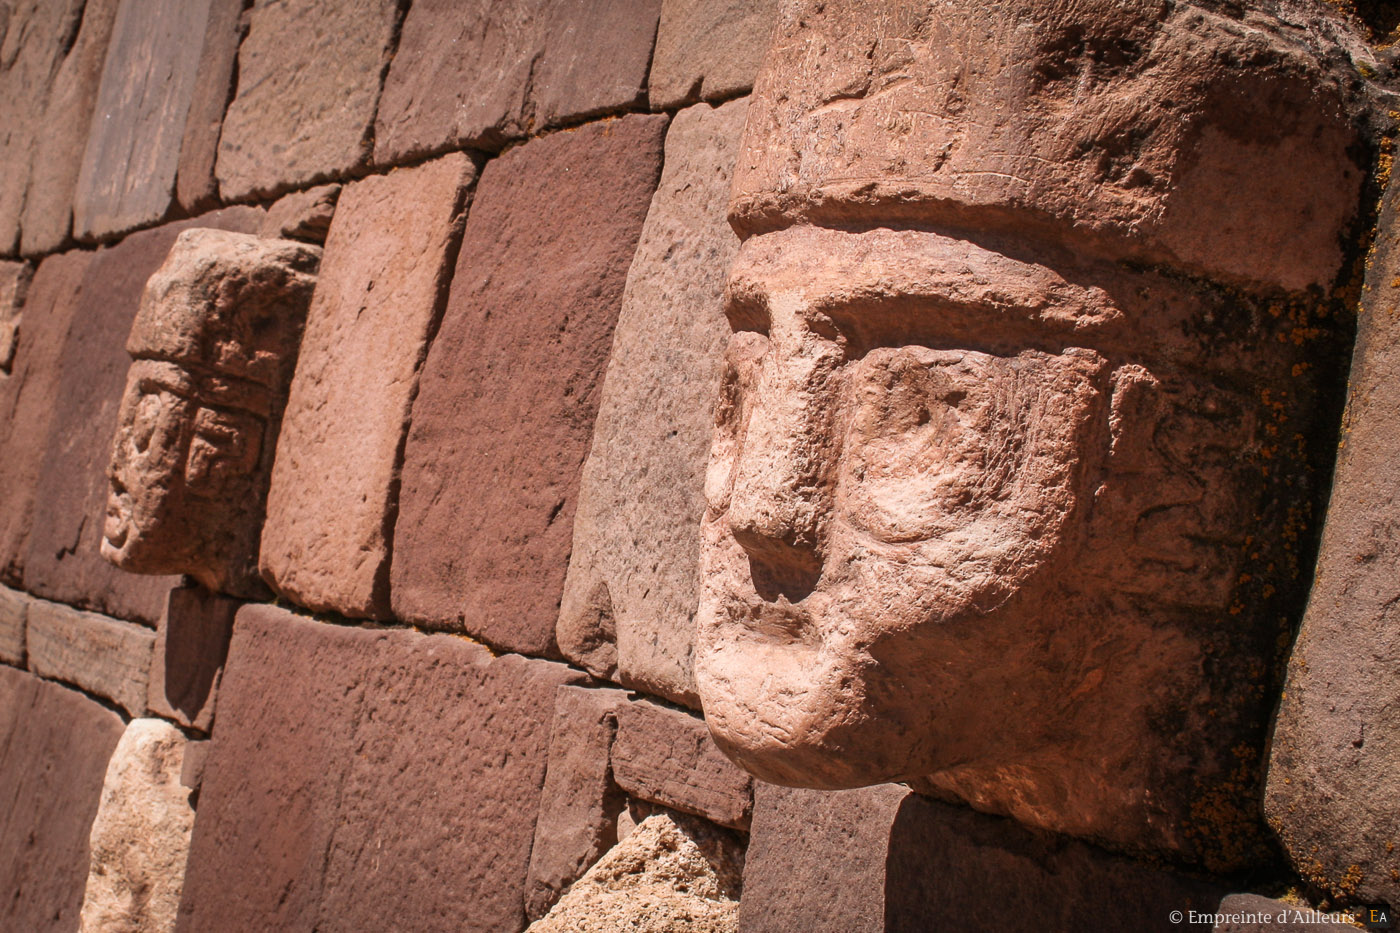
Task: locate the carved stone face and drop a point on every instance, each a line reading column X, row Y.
column 991, row 510
column 215, row 341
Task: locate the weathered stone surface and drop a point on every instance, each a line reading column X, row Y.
column 308, row 86
column 214, row 345
column 1141, row 141
column 14, row 283
column 127, row 178
column 67, row 120
column 882, row 859
column 14, row 608
column 503, row 417
column 990, row 511
column 31, row 51
column 54, row 746
column 482, row 73
column 1332, row 794
column 634, row 565
column 666, row 756
column 707, row 50
column 330, row 512
column 187, row 659
column 580, row 822
column 27, row 399
column 141, row 834
column 303, row 215
column 196, row 188
column 367, row 779
column 1250, row 913
column 673, row 873
column 108, row 657
column 192, row 768
column 63, row 562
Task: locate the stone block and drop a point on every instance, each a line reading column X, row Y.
column 56, row 746
column 635, row 562
column 707, row 50
column 127, row 178
column 1332, row 795
column 882, row 859
column 187, row 659
column 196, row 188
column 106, row 657
column 67, row 119
column 505, row 408
column 483, row 73
column 330, row 511
column 672, row 873
column 28, row 396
column 666, row 756
column 64, row 562
column 308, row 85
column 365, row 779
column 28, row 68
column 14, row 610
column 580, row 823
column 14, row 283
column 141, row 834
column 303, row 215
column 192, row 769
column 213, row 349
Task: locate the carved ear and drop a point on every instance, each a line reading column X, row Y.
column 224, row 451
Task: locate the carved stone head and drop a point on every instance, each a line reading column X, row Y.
column 1010, row 487
column 214, row 345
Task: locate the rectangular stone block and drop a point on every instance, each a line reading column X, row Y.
column 107, row 657
column 364, row 779
column 67, row 119
column 884, row 859
column 133, row 149
column 28, row 396
column 667, row 756
column 187, row 658
column 330, row 509
column 56, row 745
column 196, row 188
column 708, row 50
column 63, row 560
column 482, row 73
column 14, row 283
column 632, row 590
column 580, row 823
column 505, row 408
column 14, row 609
column 308, row 86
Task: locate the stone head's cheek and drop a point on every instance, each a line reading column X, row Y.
column 224, row 451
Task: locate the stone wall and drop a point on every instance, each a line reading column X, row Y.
column 388, row 457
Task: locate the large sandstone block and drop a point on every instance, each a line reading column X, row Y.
column 505, row 410
column 67, row 119
column 63, row 562
column 187, row 659
column 629, row 602
column 308, row 86
column 707, row 50
column 196, row 187
column 141, row 834
column 486, row 72
column 213, row 348
column 303, row 215
column 108, row 657
column 14, row 611
column 56, row 746
column 672, row 873
column 14, row 283
column 28, row 396
column 367, row 779
column 882, row 859
column 128, row 171
column 330, row 510
column 1332, row 794
column 666, row 756
column 580, row 823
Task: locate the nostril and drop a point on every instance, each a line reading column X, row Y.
column 780, row 565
